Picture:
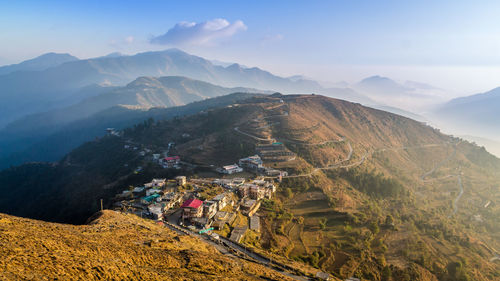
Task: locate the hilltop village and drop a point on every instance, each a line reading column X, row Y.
column 226, row 206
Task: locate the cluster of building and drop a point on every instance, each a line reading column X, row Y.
column 257, row 190
column 210, row 213
column 161, row 198
column 253, row 164
column 153, row 198
column 205, row 213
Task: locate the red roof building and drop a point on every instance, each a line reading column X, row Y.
column 192, row 208
column 192, row 203
column 172, row 159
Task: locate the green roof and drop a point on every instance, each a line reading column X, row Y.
column 151, row 197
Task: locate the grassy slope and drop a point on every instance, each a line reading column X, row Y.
column 113, row 247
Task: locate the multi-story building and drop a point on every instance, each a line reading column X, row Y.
column 192, row 208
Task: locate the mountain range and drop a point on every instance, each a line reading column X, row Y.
column 25, row 92
column 57, row 80
column 63, row 89
column 410, row 96
column 473, row 115
column 33, row 138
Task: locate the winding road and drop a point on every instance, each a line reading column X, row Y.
column 226, row 247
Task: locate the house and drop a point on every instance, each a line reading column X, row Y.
column 156, row 210
column 171, row 162
column 156, row 156
column 152, row 191
column 180, row 180
column 252, row 162
column 192, row 208
column 243, row 190
column 171, row 199
column 255, row 223
column 150, row 199
column 221, row 200
column 139, row 190
column 158, row 182
column 230, row 169
column 226, row 183
column 238, row 233
column 256, row 192
column 275, row 173
column 249, row 206
column 209, row 209
column 221, row 218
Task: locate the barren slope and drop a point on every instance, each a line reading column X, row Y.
column 114, row 246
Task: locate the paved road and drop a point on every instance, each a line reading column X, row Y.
column 227, row 247
column 334, row 166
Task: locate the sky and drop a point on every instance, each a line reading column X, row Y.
column 454, row 45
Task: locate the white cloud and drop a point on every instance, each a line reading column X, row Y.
column 201, row 34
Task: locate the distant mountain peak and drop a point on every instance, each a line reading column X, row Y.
column 113, row 55
column 376, row 79
column 41, row 62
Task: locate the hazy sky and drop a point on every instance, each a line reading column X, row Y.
column 451, row 44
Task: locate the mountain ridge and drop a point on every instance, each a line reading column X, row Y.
column 39, row 63
column 141, row 94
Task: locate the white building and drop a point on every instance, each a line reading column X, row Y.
column 231, row 169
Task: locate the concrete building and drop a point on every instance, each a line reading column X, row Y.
column 244, row 190
column 192, row 208
column 180, row 180
column 221, row 218
column 255, row 223
column 238, row 233
column 249, row 206
column 156, row 210
column 209, row 209
column 252, row 163
column 231, row 169
column 222, row 200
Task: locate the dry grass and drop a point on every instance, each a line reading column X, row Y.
column 113, row 247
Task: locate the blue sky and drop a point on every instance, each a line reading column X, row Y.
column 439, row 42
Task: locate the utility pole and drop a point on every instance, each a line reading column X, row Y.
column 101, row 205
